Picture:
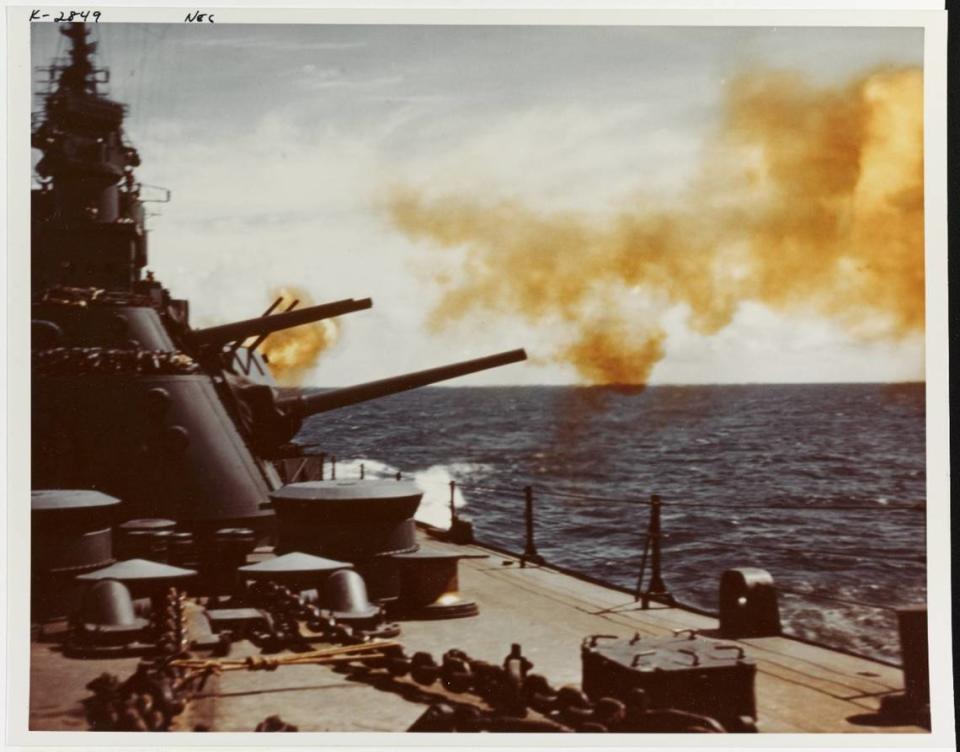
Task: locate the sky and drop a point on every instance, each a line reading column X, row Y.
column 285, row 148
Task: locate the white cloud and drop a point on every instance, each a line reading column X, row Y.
column 272, row 43
column 338, row 80
column 762, row 346
column 553, row 158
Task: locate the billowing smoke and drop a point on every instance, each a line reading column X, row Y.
column 809, row 200
column 292, row 352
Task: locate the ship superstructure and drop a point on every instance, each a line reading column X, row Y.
column 128, row 398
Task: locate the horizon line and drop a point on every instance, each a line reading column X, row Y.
column 640, row 387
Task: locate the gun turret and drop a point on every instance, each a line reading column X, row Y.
column 276, row 419
column 216, row 336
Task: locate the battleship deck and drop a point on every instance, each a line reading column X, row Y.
column 800, row 687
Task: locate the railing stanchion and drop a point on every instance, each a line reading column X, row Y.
column 530, row 550
column 643, row 564
column 656, row 590
column 363, row 471
column 453, row 508
column 333, row 467
column 323, row 459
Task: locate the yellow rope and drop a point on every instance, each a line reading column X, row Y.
column 336, row 654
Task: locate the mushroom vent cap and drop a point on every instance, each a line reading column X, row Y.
column 107, row 615
column 345, row 595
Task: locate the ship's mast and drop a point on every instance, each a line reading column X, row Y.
column 88, row 228
column 80, row 75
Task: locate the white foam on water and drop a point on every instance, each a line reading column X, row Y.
column 435, row 507
column 464, row 469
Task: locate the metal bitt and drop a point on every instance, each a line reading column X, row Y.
column 530, row 550
column 656, row 589
column 913, row 705
column 912, row 622
column 748, row 604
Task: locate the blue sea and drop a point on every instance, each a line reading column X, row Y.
column 821, row 485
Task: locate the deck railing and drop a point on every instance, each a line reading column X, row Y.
column 651, row 585
column 652, row 542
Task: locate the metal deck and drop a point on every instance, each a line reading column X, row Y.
column 800, row 687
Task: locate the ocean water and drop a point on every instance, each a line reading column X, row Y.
column 821, row 485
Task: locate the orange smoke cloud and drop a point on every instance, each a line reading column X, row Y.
column 609, row 352
column 292, row 352
column 809, row 200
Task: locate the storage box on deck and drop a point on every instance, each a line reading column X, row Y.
column 690, row 673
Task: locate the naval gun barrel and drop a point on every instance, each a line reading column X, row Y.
column 302, row 405
column 264, row 325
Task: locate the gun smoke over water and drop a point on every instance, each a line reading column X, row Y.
column 808, row 200
column 292, row 352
